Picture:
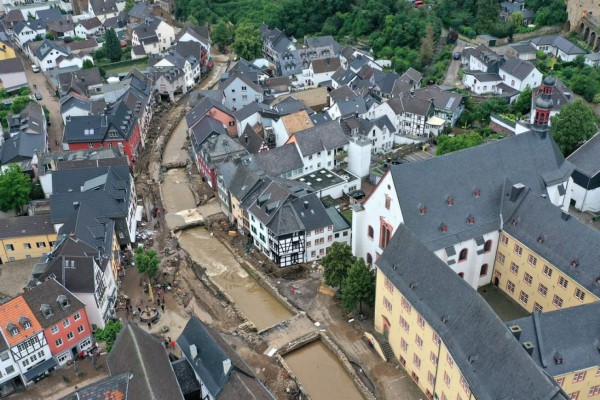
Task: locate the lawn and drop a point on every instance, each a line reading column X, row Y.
column 347, row 214
column 143, row 64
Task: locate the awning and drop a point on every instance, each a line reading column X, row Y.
column 40, row 369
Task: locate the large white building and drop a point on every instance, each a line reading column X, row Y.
column 586, row 177
column 452, row 202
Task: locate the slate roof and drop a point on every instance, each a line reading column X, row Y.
column 89, row 225
column 251, row 140
column 51, row 14
column 527, row 158
column 560, row 42
column 71, row 263
column 219, row 147
column 147, row 29
column 35, row 25
column 517, row 67
column 249, row 110
column 325, row 65
column 46, row 294
column 141, row 354
column 244, row 78
column 117, row 22
column 491, row 360
column 548, row 332
column 280, row 160
column 11, row 65
column 101, row 7
column 200, row 110
column 484, row 76
column 290, row 105
column 213, row 353
column 79, row 81
column 188, row 49
column 442, row 100
column 410, row 104
column 365, row 125
column 341, row 93
column 339, row 222
column 92, row 23
column 523, row 48
column 22, row 146
column 279, row 40
column 47, row 46
column 586, row 159
column 140, row 11
column 323, row 41
column 87, row 44
column 26, row 226
column 311, row 212
column 322, row 137
column 206, row 127
column 201, row 33
column 351, row 106
column 112, row 387
column 343, row 76
column 60, row 26
column 185, row 377
column 532, row 217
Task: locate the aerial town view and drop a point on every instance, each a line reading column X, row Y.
column 299, row 199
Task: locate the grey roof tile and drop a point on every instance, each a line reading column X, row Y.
column 517, row 67
column 322, row 137
column 586, row 158
column 280, row 160
column 47, row 294
column 560, row 42
column 26, row 226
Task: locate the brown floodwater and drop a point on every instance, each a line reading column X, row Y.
column 262, row 308
column 176, row 194
column 174, row 151
column 321, row 374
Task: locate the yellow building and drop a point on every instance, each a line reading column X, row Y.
column 445, row 335
column 546, row 260
column 6, row 51
column 26, row 237
column 564, row 344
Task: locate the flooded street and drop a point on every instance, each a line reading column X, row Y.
column 174, row 150
column 177, row 195
column 321, row 373
column 255, row 302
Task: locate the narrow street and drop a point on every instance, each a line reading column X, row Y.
column 451, row 78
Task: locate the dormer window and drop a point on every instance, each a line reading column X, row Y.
column 470, row 220
column 46, row 310
column 423, row 210
column 12, row 328
column 63, row 301
column 25, row 323
column 443, row 227
column 450, row 201
column 477, row 192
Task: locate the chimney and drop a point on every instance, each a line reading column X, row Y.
column 193, row 351
column 76, row 205
column 528, row 346
column 246, row 138
column 516, row 191
column 516, row 331
column 226, row 366
column 306, row 204
column 565, row 216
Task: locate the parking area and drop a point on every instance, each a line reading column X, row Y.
column 15, row 275
column 421, row 155
column 503, row 305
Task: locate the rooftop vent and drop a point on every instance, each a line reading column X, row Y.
column 516, row 191
column 470, row 220
column 528, row 346
column 558, row 359
column 574, row 263
column 423, row 210
column 473, row 358
column 443, row 227
column 516, row 331
column 444, row 318
column 477, row 192
column 450, row 201
column 540, row 239
column 306, row 204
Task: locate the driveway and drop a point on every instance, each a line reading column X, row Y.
column 451, row 77
column 49, row 99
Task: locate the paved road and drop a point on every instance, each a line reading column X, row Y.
column 55, row 130
column 451, row 77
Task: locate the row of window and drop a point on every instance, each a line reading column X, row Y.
column 59, row 342
column 39, row 245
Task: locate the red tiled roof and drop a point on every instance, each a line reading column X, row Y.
column 10, row 312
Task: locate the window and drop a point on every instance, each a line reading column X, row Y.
column 573, row 396
column 244, row 88
column 433, row 358
column 537, row 307
column 518, row 249
column 421, row 321
column 10, row 369
column 406, row 305
column 403, row 345
column 4, row 356
column 40, row 244
column 465, row 385
column 404, row 324
column 547, row 271
column 447, row 379
column 531, row 260
column 528, row 279
column 387, row 304
column 500, row 257
column 514, row 268
column 27, row 245
column 504, row 239
column 462, row 256
column 9, row 247
column 560, row 381
column 370, row 232
column 557, row 301
column 77, row 316
column 388, row 201
column 430, row 378
column 386, row 234
column 232, row 123
column 419, row 341
column 436, row 339
column 487, row 246
column 80, row 328
column 58, row 342
column 543, row 290
column 563, row 282
column 578, row 377
column 66, row 322
column 70, row 336
column 510, row 286
column 483, row 270
column 388, row 285
column 417, row 361
column 579, row 294
column 594, row 391
column 369, row 259
column 449, row 360
column 523, row 297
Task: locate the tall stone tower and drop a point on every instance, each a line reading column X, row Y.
column 577, row 9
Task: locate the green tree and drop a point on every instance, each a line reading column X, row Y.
column 15, row 187
column 427, row 46
column 447, row 144
column 487, row 14
column 222, row 35
column 112, row 45
column 20, row 103
column 359, row 286
column 147, row 261
column 108, row 334
column 247, row 43
column 337, row 263
column 516, row 19
column 87, row 64
column 575, row 124
column 129, row 5
column 522, row 105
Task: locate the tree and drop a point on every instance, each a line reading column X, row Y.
column 516, row 19
column 447, row 144
column 487, row 14
column 359, row 286
column 108, row 334
column 575, row 124
column 112, row 45
column 129, row 5
column 247, row 43
column 20, row 103
column 522, row 105
column 147, row 261
column 15, row 187
column 336, row 263
column 87, row 64
column 222, row 35
column 427, row 46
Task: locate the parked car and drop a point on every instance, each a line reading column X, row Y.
column 397, row 161
column 457, row 55
column 35, row 68
column 37, row 95
column 357, row 194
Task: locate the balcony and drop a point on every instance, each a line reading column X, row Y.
column 340, row 155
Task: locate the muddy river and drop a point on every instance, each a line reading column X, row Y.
column 174, row 152
column 321, row 373
column 177, row 195
column 255, row 302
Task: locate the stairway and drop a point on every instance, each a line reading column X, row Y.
column 387, row 350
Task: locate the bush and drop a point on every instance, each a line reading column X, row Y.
column 108, row 334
